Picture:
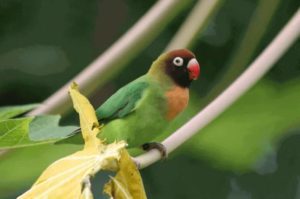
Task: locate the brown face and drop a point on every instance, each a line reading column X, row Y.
column 182, row 67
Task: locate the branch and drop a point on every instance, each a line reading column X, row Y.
column 194, row 24
column 242, row 55
column 117, row 56
column 288, row 35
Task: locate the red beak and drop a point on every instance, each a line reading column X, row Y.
column 194, row 69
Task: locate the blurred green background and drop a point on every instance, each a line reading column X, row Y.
column 250, row 151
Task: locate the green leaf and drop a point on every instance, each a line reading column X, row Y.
column 47, row 128
column 29, row 131
column 13, row 132
column 7, row 112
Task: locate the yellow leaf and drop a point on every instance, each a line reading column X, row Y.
column 69, row 177
column 127, row 184
column 87, row 192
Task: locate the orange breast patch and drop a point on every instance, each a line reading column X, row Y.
column 177, row 100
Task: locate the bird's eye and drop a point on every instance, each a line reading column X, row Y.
column 178, row 61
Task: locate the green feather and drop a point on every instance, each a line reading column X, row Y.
column 122, row 102
column 135, row 113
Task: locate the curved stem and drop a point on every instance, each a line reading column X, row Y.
column 255, row 31
column 117, row 56
column 194, row 24
column 288, row 35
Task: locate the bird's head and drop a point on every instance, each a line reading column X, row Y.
column 180, row 65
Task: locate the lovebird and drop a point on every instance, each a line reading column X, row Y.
column 142, row 109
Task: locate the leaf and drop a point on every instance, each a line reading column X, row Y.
column 47, row 128
column 7, row 112
column 31, row 131
column 127, row 183
column 13, row 132
column 67, row 177
column 87, row 190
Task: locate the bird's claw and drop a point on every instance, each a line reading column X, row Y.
column 156, row 145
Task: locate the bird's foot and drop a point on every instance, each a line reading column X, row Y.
column 156, row 145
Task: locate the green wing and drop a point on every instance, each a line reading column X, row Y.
column 122, row 102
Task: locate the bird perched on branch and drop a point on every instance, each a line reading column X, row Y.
column 142, row 109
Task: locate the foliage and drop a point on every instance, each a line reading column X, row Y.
column 29, row 131
column 70, row 176
column 8, row 112
column 14, row 132
column 47, row 128
column 127, row 183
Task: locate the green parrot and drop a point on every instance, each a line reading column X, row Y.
column 142, row 109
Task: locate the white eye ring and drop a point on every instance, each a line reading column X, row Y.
column 178, row 61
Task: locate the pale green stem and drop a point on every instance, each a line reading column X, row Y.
column 195, row 23
column 241, row 57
